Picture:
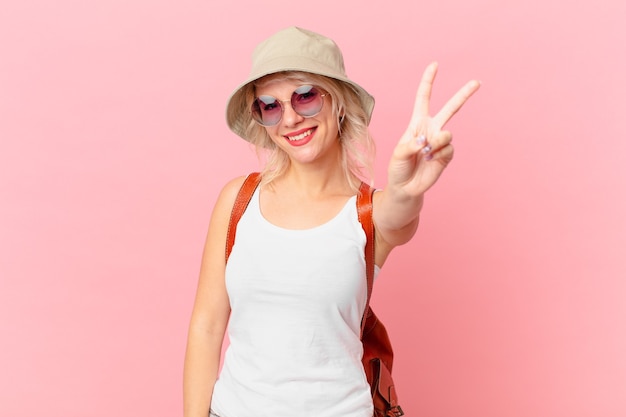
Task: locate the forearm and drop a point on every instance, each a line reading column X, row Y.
column 396, row 215
column 398, row 209
column 200, row 371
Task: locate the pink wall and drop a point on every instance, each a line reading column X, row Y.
column 113, row 146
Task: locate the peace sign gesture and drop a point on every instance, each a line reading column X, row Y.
column 424, row 150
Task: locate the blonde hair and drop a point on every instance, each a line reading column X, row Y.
column 357, row 145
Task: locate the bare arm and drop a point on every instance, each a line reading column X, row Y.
column 418, row 160
column 210, row 312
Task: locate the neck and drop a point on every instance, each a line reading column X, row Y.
column 322, row 178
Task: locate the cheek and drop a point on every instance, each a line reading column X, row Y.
column 275, row 140
column 265, row 139
column 332, row 125
column 271, row 132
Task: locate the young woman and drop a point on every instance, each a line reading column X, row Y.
column 293, row 290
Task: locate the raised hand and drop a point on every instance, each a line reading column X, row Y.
column 425, row 149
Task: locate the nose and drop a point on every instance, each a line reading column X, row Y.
column 290, row 117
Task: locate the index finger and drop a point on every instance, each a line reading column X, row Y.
column 422, row 99
column 455, row 103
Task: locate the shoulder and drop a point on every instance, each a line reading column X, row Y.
column 226, row 199
column 230, row 190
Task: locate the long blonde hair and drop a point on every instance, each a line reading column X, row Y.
column 357, row 145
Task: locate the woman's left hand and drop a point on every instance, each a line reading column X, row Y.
column 425, row 150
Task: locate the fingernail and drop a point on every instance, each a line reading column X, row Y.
column 428, row 157
column 421, row 139
column 426, row 149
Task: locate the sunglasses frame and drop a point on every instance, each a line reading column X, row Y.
column 255, row 114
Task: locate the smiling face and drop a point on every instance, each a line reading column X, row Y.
column 305, row 140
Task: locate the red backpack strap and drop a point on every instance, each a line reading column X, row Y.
column 241, row 203
column 364, row 204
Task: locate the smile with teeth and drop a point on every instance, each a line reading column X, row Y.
column 300, row 136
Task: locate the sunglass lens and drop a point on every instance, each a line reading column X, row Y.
column 307, row 101
column 267, row 110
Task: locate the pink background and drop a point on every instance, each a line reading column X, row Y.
column 509, row 302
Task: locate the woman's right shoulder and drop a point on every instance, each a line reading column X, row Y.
column 228, row 194
column 220, row 216
column 232, row 187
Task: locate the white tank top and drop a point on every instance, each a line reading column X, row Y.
column 297, row 298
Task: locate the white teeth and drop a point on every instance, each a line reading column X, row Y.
column 301, row 135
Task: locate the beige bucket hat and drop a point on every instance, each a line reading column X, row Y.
column 292, row 49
